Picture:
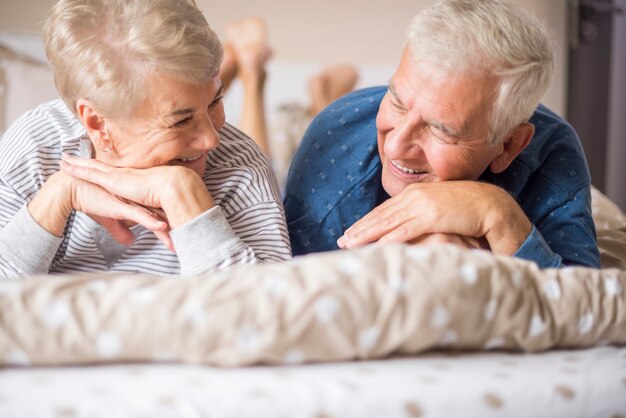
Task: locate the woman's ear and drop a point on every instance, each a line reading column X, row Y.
column 515, row 142
column 95, row 125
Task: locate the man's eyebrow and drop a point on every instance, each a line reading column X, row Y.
column 444, row 128
column 392, row 90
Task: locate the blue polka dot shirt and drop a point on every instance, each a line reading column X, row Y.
column 335, row 179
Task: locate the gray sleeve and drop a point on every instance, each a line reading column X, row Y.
column 208, row 243
column 26, row 248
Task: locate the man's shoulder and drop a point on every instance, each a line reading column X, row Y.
column 355, row 107
column 553, row 162
column 554, row 146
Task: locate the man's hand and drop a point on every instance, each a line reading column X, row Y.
column 469, row 213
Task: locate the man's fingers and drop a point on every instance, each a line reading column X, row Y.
column 376, row 224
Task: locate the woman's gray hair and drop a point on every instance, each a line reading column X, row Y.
column 102, row 50
column 488, row 37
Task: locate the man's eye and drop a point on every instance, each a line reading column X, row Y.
column 440, row 134
column 397, row 106
column 182, row 122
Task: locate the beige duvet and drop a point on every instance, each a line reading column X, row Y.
column 367, row 303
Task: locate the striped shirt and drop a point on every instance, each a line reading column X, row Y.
column 246, row 225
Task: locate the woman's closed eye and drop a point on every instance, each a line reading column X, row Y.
column 182, row 122
column 216, row 101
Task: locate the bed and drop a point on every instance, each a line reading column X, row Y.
column 393, row 331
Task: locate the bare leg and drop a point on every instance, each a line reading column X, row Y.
column 248, row 39
column 329, row 85
column 228, row 68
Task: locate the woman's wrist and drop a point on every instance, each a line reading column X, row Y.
column 51, row 206
column 186, row 198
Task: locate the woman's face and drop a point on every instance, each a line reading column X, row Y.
column 176, row 124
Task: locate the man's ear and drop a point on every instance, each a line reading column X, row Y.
column 515, row 142
column 95, row 125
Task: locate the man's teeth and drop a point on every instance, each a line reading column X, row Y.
column 406, row 169
column 187, row 159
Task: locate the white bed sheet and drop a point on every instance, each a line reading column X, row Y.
column 583, row 383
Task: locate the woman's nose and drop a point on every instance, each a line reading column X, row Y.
column 207, row 138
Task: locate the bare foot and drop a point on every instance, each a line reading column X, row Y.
column 248, row 39
column 228, row 68
column 332, row 83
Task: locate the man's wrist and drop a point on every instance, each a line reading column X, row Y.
column 506, row 223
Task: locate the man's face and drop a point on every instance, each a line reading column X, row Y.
column 434, row 127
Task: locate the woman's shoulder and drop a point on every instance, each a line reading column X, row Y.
column 42, row 133
column 236, row 149
column 238, row 164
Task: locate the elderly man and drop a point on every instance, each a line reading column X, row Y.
column 455, row 149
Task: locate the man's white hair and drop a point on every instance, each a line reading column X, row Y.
column 102, row 50
column 488, row 37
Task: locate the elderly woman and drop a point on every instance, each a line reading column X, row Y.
column 135, row 169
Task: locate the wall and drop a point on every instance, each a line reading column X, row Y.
column 325, row 31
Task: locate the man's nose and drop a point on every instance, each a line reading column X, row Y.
column 405, row 137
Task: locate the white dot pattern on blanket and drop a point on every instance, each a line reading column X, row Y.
column 248, row 338
column 517, row 277
column 586, row 323
column 96, row 286
column 494, row 343
column 612, row 286
column 490, row 309
column 552, row 289
column 369, row 337
column 17, row 358
column 108, row 344
column 440, row 317
column 537, row 326
column 418, row 253
column 469, row 274
column 276, row 286
column 143, row 296
column 56, row 314
column 448, row 337
column 293, row 357
column 349, row 265
column 398, row 284
column 326, row 309
column 10, row 288
column 193, row 312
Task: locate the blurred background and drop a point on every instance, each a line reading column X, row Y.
column 589, row 87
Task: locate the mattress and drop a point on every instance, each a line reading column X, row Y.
column 562, row 383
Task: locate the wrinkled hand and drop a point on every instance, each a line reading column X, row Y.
column 178, row 191
column 105, row 208
column 117, row 222
column 471, row 211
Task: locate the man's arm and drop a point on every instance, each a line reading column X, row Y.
column 464, row 208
